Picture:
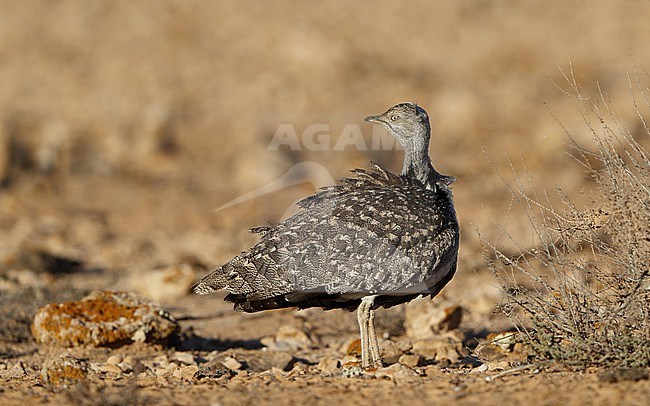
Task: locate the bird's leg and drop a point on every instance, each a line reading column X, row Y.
column 362, row 317
column 373, row 343
column 370, row 356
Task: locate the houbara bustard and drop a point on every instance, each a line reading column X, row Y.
column 376, row 240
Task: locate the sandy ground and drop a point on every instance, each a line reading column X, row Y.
column 123, row 126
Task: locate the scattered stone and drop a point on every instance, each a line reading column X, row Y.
column 349, row 360
column 160, row 361
column 139, row 336
column 160, row 371
column 449, row 347
column 497, row 365
column 114, row 359
column 129, row 361
column 425, row 318
column 411, row 360
column 64, row 370
column 499, row 346
column 266, row 360
column 215, row 360
column 328, row 365
column 394, row 371
column 505, row 341
column 145, row 380
column 268, row 342
column 293, row 337
column 130, row 364
column 212, row 373
column 186, row 358
column 288, row 338
column 110, row 368
column 352, row 370
column 392, row 351
column 164, row 284
column 489, row 352
column 101, row 319
column 186, row 373
column 298, row 369
column 16, row 372
column 276, row 373
column 232, row 364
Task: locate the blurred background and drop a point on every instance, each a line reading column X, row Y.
column 124, row 125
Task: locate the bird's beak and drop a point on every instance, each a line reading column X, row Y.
column 374, row 119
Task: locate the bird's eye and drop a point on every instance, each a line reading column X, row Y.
column 394, row 117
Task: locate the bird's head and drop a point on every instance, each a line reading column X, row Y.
column 404, row 121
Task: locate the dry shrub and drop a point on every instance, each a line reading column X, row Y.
column 582, row 295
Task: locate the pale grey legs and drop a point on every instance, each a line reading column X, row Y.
column 375, row 354
column 370, row 355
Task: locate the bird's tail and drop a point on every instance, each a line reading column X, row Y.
column 210, row 283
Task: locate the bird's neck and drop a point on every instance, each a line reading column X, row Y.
column 417, row 163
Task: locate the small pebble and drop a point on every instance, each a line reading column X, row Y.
column 328, row 364
column 232, row 364
column 161, row 361
column 129, row 360
column 352, row 371
column 111, row 368
column 185, row 372
column 411, row 360
column 184, row 358
column 114, row 359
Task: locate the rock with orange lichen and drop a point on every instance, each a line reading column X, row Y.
column 103, row 318
column 64, row 370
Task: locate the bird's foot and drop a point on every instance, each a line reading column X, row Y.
column 372, row 364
